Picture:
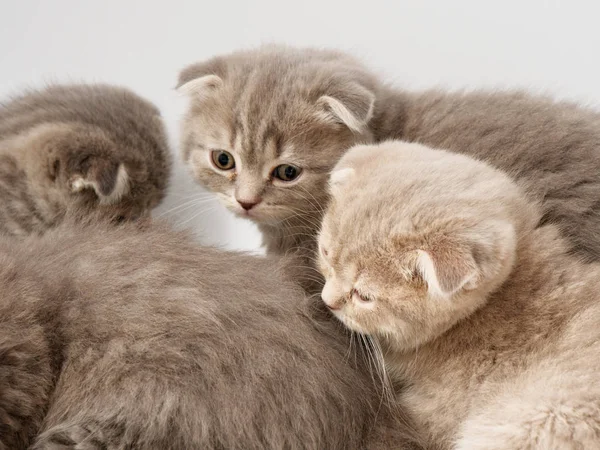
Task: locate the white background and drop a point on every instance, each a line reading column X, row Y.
column 547, row 46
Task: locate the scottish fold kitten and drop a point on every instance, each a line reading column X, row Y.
column 266, row 126
column 79, row 147
column 118, row 338
column 484, row 314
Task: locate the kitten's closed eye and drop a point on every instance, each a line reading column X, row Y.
column 360, row 297
column 222, row 160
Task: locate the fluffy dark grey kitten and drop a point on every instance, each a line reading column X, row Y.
column 85, row 147
column 121, row 338
column 266, row 126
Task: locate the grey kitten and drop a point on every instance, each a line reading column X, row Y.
column 120, row 338
column 266, row 126
column 80, row 147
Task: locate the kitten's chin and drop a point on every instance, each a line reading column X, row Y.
column 406, row 341
column 349, row 323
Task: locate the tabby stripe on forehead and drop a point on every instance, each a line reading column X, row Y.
column 246, row 138
column 235, row 129
column 271, row 133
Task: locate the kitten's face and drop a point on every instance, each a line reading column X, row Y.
column 270, row 174
column 263, row 134
column 368, row 289
column 414, row 240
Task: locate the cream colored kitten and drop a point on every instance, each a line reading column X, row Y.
column 489, row 320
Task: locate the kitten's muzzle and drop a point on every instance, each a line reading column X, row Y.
column 247, row 205
column 333, row 307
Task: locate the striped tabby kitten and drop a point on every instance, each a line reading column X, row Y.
column 266, row 126
column 79, row 147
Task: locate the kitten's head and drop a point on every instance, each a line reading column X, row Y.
column 414, row 239
column 265, row 127
column 89, row 147
column 81, row 168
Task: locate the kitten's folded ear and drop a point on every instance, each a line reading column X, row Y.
column 478, row 257
column 201, row 79
column 339, row 179
column 447, row 269
column 352, row 105
column 109, row 180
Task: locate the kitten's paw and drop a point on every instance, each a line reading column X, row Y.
column 71, row 437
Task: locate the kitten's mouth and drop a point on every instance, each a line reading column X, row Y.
column 248, row 214
column 252, row 214
column 349, row 323
column 256, row 215
column 265, row 213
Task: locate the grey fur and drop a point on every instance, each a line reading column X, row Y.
column 121, row 338
column 92, row 147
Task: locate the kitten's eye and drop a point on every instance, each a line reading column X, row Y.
column 360, row 298
column 286, row 172
column 222, row 160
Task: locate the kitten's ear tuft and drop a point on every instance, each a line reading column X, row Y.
column 352, row 107
column 201, row 87
column 446, row 272
column 340, row 178
column 482, row 255
column 109, row 180
column 202, row 78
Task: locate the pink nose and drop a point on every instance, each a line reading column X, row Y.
column 332, row 307
column 248, row 205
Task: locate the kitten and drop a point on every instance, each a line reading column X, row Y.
column 116, row 338
column 79, row 147
column 266, row 126
column 484, row 315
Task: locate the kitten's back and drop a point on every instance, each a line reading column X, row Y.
column 167, row 345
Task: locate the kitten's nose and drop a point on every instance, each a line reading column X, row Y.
column 248, row 204
column 333, row 307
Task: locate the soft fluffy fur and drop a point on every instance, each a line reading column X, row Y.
column 116, row 338
column 485, row 315
column 306, row 107
column 90, row 147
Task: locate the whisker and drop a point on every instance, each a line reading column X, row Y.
column 186, row 204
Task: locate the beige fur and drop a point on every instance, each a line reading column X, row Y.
column 485, row 316
column 79, row 147
column 282, row 105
